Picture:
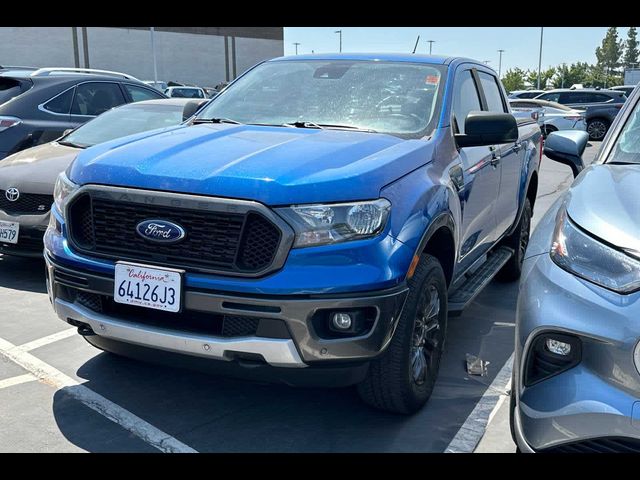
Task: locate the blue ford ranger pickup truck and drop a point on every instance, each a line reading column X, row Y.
column 315, row 224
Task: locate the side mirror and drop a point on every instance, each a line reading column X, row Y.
column 192, row 107
column 567, row 147
column 488, row 128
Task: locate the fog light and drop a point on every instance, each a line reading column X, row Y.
column 558, row 347
column 341, row 321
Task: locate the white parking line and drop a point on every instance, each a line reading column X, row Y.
column 10, row 382
column 41, row 342
column 127, row 420
column 472, row 430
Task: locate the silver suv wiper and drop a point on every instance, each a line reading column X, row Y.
column 322, row 126
column 216, row 120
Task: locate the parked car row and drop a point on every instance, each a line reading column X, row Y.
column 600, row 106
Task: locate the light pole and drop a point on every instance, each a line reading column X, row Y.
column 540, row 56
column 296, row 44
column 339, row 32
column 153, row 53
column 487, row 62
column 501, row 51
column 431, row 42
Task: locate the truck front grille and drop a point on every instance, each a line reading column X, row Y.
column 242, row 243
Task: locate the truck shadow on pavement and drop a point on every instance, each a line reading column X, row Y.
column 216, row 414
column 19, row 273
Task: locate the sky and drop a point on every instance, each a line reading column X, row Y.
column 521, row 44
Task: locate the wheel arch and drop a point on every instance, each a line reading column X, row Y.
column 439, row 241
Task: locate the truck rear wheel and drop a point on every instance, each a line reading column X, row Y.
column 402, row 379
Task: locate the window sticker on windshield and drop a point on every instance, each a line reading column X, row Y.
column 432, row 80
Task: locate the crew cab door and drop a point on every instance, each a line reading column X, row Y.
column 510, row 157
column 481, row 176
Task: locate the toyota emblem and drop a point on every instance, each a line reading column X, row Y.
column 12, row 194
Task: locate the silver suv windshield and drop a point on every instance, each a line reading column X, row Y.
column 627, row 146
column 398, row 98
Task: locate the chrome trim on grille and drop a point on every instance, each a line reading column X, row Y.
column 276, row 352
column 192, row 202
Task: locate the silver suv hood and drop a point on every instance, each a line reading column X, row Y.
column 605, row 201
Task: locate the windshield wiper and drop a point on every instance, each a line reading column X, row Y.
column 71, row 144
column 216, row 120
column 322, row 126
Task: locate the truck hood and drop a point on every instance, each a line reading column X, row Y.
column 605, row 201
column 35, row 169
column 273, row 165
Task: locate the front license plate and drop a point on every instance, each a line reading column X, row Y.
column 149, row 287
column 9, row 232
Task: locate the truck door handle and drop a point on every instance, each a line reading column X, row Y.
column 517, row 146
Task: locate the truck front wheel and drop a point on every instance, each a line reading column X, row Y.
column 402, row 379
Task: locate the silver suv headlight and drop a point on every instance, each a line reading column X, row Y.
column 589, row 258
column 333, row 223
column 63, row 188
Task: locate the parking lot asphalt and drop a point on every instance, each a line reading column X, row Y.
column 59, row 394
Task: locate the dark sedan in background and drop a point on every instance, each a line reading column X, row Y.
column 37, row 106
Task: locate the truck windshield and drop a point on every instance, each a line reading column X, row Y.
column 398, row 98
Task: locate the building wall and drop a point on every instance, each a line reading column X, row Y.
column 36, row 46
column 181, row 56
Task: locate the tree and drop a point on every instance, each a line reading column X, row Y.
column 570, row 75
column 513, row 79
column 631, row 51
column 545, row 77
column 609, row 53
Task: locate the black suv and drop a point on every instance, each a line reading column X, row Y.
column 601, row 106
column 37, row 106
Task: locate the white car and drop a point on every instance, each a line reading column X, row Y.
column 553, row 116
column 185, row 92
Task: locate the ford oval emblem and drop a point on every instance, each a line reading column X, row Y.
column 160, row 231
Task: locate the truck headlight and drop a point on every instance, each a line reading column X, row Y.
column 334, row 223
column 63, row 188
column 589, row 258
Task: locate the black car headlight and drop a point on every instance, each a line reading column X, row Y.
column 590, row 258
column 339, row 222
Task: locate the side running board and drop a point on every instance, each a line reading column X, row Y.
column 475, row 283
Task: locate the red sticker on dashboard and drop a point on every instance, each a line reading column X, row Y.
column 432, row 79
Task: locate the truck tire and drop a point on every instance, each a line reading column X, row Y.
column 518, row 241
column 597, row 128
column 402, row 379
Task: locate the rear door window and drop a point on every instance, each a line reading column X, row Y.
column 94, row 98
column 61, row 103
column 550, row 97
column 491, row 92
column 139, row 94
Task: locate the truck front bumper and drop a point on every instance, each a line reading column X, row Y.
column 79, row 298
